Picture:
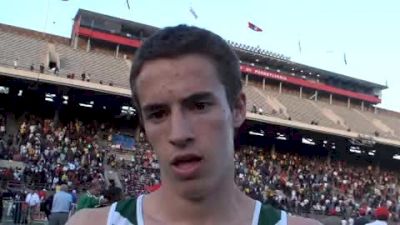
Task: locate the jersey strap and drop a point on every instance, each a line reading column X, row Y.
column 124, row 213
column 269, row 215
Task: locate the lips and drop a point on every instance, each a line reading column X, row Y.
column 186, row 166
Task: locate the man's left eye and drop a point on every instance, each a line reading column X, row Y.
column 200, row 106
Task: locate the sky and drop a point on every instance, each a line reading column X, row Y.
column 367, row 31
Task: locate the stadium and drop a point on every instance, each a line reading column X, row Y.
column 314, row 142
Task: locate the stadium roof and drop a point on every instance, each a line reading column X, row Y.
column 287, row 65
column 147, row 29
column 332, row 75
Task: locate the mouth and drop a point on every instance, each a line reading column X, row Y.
column 186, row 166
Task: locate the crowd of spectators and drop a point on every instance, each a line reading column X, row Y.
column 55, row 154
column 304, row 185
column 300, row 184
column 140, row 173
column 72, row 154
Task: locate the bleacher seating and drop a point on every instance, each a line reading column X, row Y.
column 292, row 106
column 385, row 121
column 100, row 66
column 352, row 119
column 32, row 50
column 24, row 48
column 269, row 104
column 335, row 118
column 106, row 68
column 325, row 114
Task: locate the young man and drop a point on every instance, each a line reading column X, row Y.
column 186, row 85
column 91, row 198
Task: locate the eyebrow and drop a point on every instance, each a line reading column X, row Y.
column 153, row 107
column 198, row 97
column 191, row 98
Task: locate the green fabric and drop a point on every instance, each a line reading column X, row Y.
column 127, row 208
column 88, row 201
column 269, row 215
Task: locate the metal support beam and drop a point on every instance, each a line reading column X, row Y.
column 301, row 92
column 117, row 51
column 88, row 45
column 75, row 41
column 348, row 103
column 263, row 83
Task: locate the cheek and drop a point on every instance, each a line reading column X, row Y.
column 154, row 135
column 215, row 131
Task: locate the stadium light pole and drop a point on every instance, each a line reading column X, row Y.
column 47, row 16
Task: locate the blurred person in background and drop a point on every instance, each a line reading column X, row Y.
column 61, row 206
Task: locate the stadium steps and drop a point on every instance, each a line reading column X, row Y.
column 303, row 110
column 331, row 115
column 390, row 126
column 268, row 104
column 274, row 104
column 377, row 123
column 101, row 67
column 26, row 49
column 352, row 119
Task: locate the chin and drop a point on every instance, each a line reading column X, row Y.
column 194, row 190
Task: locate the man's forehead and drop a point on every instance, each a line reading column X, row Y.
column 188, row 63
column 163, row 79
column 156, row 101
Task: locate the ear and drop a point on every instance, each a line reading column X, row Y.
column 239, row 110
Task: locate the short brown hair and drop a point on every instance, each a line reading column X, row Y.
column 172, row 42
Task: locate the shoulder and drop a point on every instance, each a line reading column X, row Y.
column 90, row 217
column 122, row 210
column 271, row 215
column 297, row 220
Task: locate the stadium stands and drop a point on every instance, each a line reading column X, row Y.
column 52, row 153
column 31, row 49
column 352, row 119
column 28, row 50
column 25, row 49
column 285, row 105
column 100, row 66
column 389, row 125
column 140, row 172
column 303, row 184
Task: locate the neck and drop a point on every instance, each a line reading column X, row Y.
column 225, row 204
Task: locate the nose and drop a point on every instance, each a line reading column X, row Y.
column 181, row 132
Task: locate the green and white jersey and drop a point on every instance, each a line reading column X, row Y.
column 130, row 212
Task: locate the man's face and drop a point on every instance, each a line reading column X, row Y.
column 188, row 121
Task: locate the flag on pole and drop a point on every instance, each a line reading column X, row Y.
column 344, row 58
column 299, row 47
column 254, row 27
column 127, row 4
column 193, row 13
